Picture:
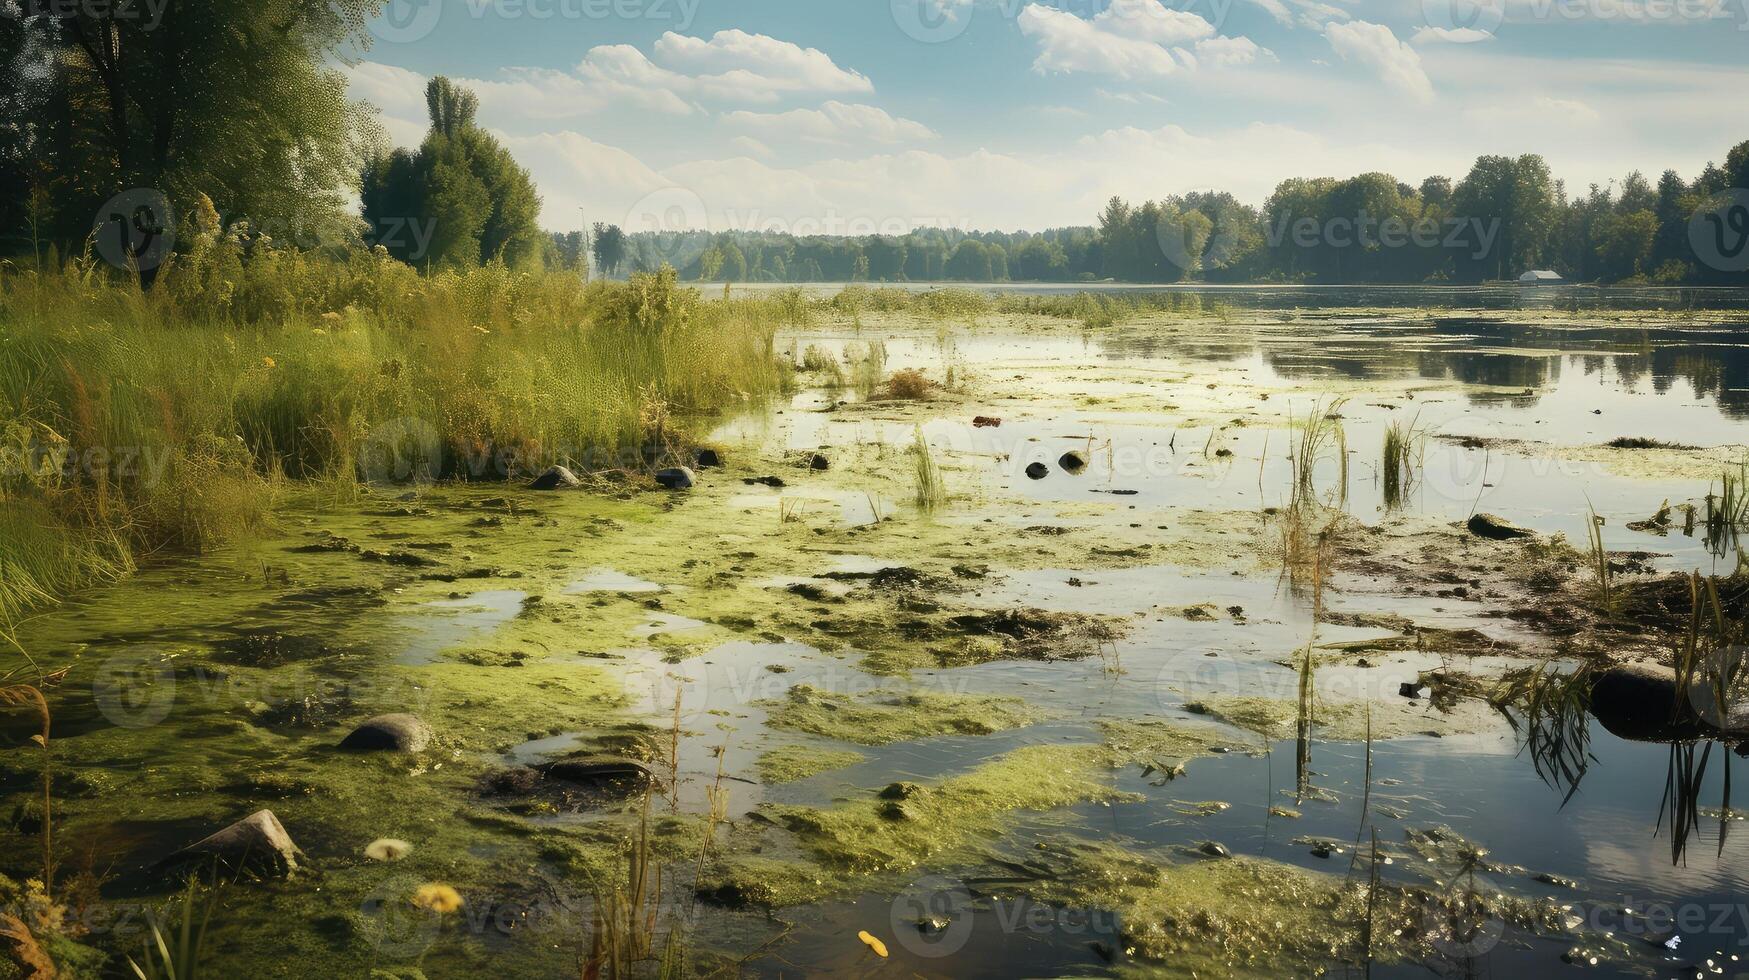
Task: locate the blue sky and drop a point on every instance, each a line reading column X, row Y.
column 849, row 116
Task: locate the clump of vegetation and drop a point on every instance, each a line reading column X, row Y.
column 868, row 366
column 788, row 763
column 882, row 717
column 1643, row 442
column 146, row 419
column 1400, row 464
column 908, row 384
column 818, row 358
column 931, row 489
column 1602, row 575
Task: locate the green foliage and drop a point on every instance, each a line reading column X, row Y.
column 461, row 200
column 142, row 420
column 242, row 102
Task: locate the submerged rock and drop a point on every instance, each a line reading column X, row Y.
column 555, row 478
column 676, row 478
column 596, row 770
column 1496, row 528
column 1037, row 471
column 1073, row 461
column 1643, row 701
column 257, row 842
column 389, row 733
column 1214, row 848
column 706, row 458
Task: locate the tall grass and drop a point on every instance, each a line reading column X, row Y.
column 1398, row 466
column 132, row 421
column 1603, row 578
column 931, row 489
column 1306, row 521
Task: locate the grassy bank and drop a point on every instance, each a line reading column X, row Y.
column 132, row 421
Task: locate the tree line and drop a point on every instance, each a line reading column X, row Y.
column 1505, row 216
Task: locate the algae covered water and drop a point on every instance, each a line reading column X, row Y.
column 1185, row 675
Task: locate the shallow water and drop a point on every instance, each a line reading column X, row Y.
column 561, row 622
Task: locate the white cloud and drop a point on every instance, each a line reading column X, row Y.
column 755, row 67
column 833, row 122
column 752, row 147
column 1314, row 14
column 1373, row 45
column 1450, row 35
column 1131, row 40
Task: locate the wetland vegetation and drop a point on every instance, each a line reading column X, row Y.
column 388, row 590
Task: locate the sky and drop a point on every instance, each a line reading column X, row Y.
column 876, row 116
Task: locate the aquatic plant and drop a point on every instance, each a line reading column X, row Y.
column 1400, row 464
column 868, row 361
column 1727, row 512
column 179, row 953
column 1549, row 711
column 1598, row 559
column 931, row 490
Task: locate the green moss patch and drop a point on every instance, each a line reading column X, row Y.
column 788, row 763
column 883, row 717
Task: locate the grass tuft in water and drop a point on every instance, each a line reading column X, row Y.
column 931, row 489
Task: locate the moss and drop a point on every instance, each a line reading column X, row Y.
column 911, row 825
column 746, row 879
column 1228, row 917
column 882, row 717
column 1337, row 721
column 788, row 763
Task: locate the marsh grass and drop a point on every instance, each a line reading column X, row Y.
column 176, row 948
column 1727, row 512
column 1401, row 462
column 1549, row 711
column 931, row 488
column 134, row 421
column 1597, row 557
column 1309, row 519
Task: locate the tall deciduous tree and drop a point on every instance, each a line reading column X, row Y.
column 239, row 101
column 460, row 200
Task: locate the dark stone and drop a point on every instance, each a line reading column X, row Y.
column 1073, row 461
column 1642, row 701
column 257, row 843
column 1496, row 528
column 389, row 733
column 707, row 457
column 819, row 462
column 1215, row 849
column 676, row 478
column 775, row 482
column 596, row 770
column 1410, row 690
column 901, row 791
column 555, row 478
column 1037, row 471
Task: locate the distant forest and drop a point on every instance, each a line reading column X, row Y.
column 1506, row 216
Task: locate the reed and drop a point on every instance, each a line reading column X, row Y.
column 931, row 489
column 133, row 421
